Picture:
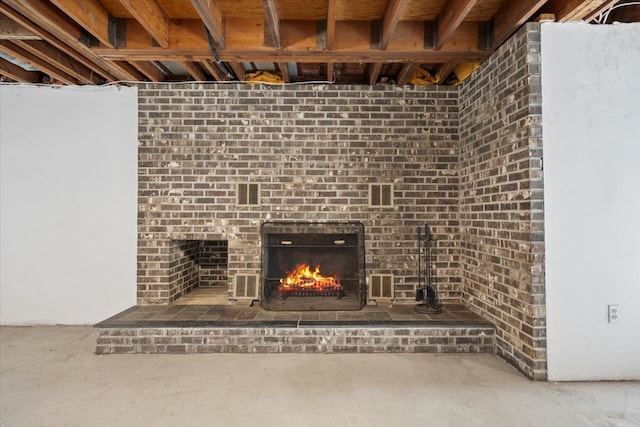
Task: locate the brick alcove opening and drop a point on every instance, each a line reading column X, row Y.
column 199, row 264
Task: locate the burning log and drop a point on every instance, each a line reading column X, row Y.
column 306, row 282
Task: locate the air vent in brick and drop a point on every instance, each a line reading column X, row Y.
column 248, row 194
column 381, row 194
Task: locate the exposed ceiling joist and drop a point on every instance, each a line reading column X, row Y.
column 238, row 69
column 19, row 74
column 60, row 60
column 151, row 16
column 53, row 40
column 271, row 23
column 511, row 15
column 52, row 20
column 90, row 15
column 573, row 10
column 11, row 30
column 148, row 69
column 450, row 18
column 345, row 41
column 211, row 16
column 214, row 70
column 390, row 21
column 331, row 24
column 194, row 70
column 18, row 52
column 407, row 71
column 373, row 72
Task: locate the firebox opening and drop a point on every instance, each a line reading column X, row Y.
column 199, row 264
column 313, row 266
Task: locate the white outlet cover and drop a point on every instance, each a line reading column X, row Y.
column 614, row 313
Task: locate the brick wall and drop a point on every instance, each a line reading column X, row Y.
column 501, row 216
column 313, row 150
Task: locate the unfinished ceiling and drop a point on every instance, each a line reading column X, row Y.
column 342, row 41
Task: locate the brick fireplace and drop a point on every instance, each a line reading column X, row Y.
column 217, row 161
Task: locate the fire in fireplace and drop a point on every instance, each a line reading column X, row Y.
column 303, row 281
column 313, row 266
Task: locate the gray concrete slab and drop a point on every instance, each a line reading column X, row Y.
column 50, row 377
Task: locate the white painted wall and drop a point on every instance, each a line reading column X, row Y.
column 591, row 136
column 68, row 208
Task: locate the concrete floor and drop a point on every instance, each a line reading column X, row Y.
column 50, row 377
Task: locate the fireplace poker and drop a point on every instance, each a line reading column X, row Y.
column 428, row 304
column 419, row 289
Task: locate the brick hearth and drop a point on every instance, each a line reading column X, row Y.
column 235, row 329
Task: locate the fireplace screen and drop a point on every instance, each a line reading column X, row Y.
column 313, row 266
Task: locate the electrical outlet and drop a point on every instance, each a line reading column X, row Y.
column 614, row 313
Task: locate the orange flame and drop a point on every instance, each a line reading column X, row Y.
column 302, row 277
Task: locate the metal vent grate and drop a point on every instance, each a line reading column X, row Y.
column 248, row 194
column 381, row 286
column 381, row 194
column 246, row 287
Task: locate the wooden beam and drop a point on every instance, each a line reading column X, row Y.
column 331, row 24
column 90, row 15
column 451, row 16
column 194, row 71
column 151, row 16
column 407, row 72
column 373, row 72
column 214, row 70
column 573, row 10
column 53, row 41
column 17, row 52
column 51, row 20
column 284, row 69
column 188, row 40
column 239, row 70
column 511, row 15
column 443, row 71
column 271, row 23
column 330, row 71
column 60, row 60
column 11, row 30
column 211, row 16
column 390, row 21
column 602, row 8
column 18, row 74
column 148, row 69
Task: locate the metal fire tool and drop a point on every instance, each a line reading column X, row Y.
column 427, row 296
